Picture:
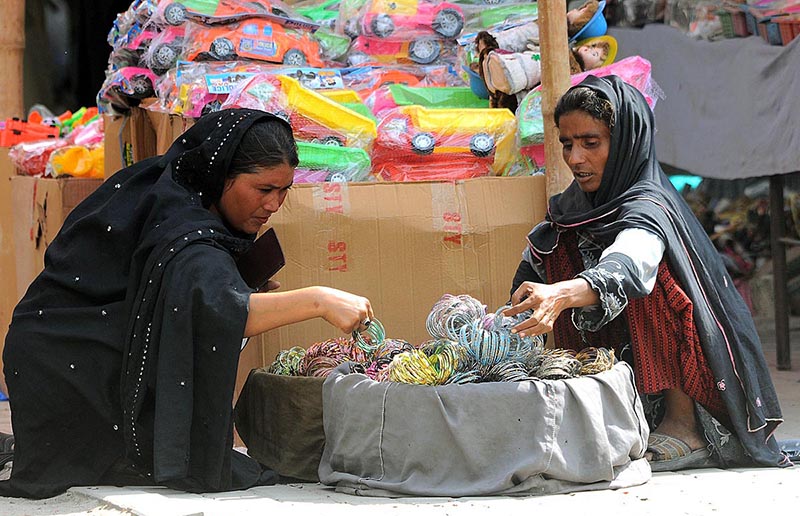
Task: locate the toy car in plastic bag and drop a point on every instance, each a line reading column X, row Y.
column 314, row 117
column 404, row 19
column 416, row 143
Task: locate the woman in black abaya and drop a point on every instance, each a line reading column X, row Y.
column 121, row 358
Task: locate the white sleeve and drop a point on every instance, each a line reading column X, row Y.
column 645, row 250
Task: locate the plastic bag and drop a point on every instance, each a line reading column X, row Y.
column 415, row 143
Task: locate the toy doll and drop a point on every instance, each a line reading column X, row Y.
column 514, row 72
column 524, row 68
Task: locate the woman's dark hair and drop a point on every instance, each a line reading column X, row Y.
column 267, row 143
column 586, row 100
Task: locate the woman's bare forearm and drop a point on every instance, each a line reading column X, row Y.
column 270, row 310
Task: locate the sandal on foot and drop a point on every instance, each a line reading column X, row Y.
column 6, row 448
column 6, row 442
column 672, row 454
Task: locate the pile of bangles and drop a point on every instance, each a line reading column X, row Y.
column 468, row 345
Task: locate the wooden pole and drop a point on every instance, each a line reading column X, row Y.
column 777, row 225
column 555, row 81
column 12, row 44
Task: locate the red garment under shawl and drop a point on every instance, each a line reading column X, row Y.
column 660, row 327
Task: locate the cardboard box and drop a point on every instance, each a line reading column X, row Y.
column 128, row 139
column 116, row 132
column 39, row 209
column 403, row 245
column 167, row 128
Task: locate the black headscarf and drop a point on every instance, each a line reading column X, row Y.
column 125, row 348
column 635, row 193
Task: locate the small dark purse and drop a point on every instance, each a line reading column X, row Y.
column 262, row 261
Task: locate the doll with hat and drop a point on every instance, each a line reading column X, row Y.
column 514, row 72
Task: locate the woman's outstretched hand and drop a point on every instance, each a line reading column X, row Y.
column 547, row 303
column 342, row 309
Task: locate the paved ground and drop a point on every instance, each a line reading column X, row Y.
column 698, row 492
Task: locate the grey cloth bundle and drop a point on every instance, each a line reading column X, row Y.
column 532, row 437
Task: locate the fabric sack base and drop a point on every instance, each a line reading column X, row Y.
column 526, row 438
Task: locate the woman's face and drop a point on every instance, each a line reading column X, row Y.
column 248, row 200
column 586, row 142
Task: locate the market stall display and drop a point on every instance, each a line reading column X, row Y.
column 471, row 356
column 68, row 145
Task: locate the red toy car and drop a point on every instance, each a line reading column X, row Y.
column 177, row 12
column 383, row 17
column 252, row 38
column 365, row 49
column 415, row 143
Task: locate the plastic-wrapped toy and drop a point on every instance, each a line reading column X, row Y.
column 320, row 162
column 482, row 16
column 441, row 97
column 176, row 12
column 314, row 117
column 405, row 19
column 332, row 45
column 521, row 70
column 415, row 143
column 126, row 87
column 252, row 38
column 76, row 161
column 324, row 13
column 87, row 134
column 129, row 49
column 30, row 158
column 82, row 129
column 164, row 49
column 514, row 72
column 367, row 80
column 347, row 23
column 64, row 124
column 423, row 50
column 14, row 131
column 193, row 89
column 137, row 16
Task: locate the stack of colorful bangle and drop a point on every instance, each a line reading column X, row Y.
column 468, row 346
column 377, row 368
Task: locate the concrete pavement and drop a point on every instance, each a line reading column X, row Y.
column 698, row 492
